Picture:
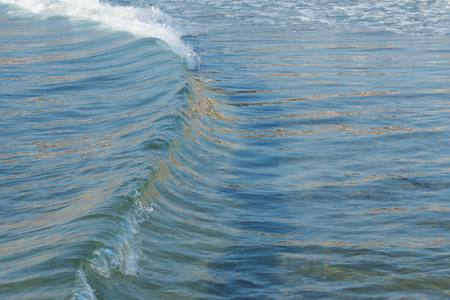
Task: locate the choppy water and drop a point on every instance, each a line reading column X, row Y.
column 224, row 149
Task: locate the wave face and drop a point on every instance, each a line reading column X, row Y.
column 86, row 113
column 305, row 157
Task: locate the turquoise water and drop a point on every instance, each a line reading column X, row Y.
column 224, row 150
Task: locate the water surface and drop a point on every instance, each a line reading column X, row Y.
column 224, row 150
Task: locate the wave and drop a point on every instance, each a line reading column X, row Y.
column 173, row 176
column 103, row 119
column 139, row 21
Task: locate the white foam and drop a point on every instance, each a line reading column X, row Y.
column 83, row 290
column 104, row 262
column 142, row 22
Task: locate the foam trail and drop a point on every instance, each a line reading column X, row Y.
column 142, row 22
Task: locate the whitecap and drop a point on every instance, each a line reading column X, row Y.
column 139, row 21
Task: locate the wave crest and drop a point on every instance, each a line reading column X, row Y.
column 139, row 21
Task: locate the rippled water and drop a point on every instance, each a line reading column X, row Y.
column 224, row 150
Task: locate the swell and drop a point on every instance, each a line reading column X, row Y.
column 86, row 115
column 173, row 225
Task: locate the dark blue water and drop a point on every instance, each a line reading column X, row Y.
column 224, row 150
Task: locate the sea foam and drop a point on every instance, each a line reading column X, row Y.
column 139, row 21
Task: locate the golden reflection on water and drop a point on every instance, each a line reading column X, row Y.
column 420, row 160
column 41, row 58
column 325, row 96
column 314, row 115
column 421, row 243
column 402, row 209
column 197, row 127
column 278, row 133
column 370, row 178
column 203, row 105
column 209, row 109
column 243, row 186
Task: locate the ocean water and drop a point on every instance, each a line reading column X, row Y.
column 224, row 149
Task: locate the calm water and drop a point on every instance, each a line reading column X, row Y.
column 224, row 149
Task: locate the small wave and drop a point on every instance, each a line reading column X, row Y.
column 141, row 22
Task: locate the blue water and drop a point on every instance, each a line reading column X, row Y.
column 224, row 149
